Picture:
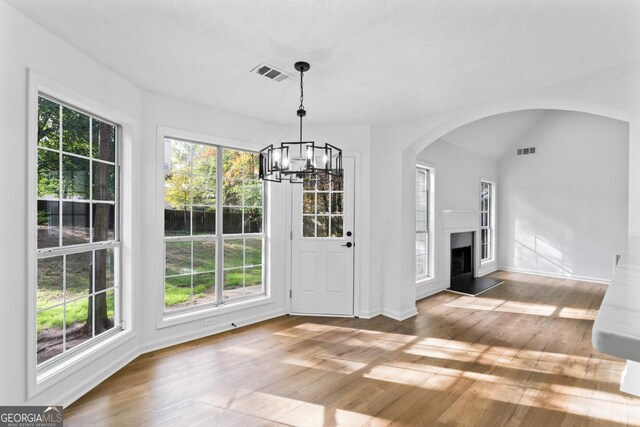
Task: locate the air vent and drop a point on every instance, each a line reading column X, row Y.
column 525, row 151
column 270, row 72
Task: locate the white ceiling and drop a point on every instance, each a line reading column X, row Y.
column 492, row 136
column 372, row 61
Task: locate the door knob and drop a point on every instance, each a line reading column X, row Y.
column 348, row 233
column 348, row 244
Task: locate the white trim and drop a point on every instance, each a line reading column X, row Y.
column 371, row 313
column 396, row 315
column 555, row 275
column 630, row 380
column 180, row 338
column 428, row 288
column 36, row 83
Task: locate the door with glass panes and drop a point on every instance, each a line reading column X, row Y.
column 323, row 244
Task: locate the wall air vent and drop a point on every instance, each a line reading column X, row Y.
column 270, row 72
column 525, row 151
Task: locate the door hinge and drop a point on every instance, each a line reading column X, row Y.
column 290, row 293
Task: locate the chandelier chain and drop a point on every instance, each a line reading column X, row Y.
column 301, row 91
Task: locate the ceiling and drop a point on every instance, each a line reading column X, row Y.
column 494, row 135
column 372, row 61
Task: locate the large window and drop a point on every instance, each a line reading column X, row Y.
column 486, row 221
column 213, row 225
column 78, row 241
column 423, row 215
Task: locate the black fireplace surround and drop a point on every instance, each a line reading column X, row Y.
column 461, row 257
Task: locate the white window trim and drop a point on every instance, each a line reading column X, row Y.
column 419, row 281
column 40, row 379
column 492, row 221
column 166, row 319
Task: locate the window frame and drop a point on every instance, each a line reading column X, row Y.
column 490, row 227
column 42, row 376
column 429, row 232
column 166, row 318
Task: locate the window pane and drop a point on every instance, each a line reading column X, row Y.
column 48, row 174
column 232, row 220
column 204, row 220
column 253, row 281
column 204, row 288
column 336, row 226
column 75, row 178
column 204, row 190
column 253, row 193
column 79, row 275
column 75, row 223
column 204, row 160
column 233, row 283
column 323, row 226
column 75, row 132
column 177, row 221
column 177, row 157
column 104, row 269
column 323, row 203
column 251, row 166
column 50, row 282
column 177, row 292
column 336, row 202
column 308, row 183
column 49, row 328
column 48, row 224
column 232, row 163
column 177, row 258
column 308, row 203
column 337, row 183
column 233, row 253
column 105, row 311
column 104, row 181
column 177, row 190
column 204, row 256
column 323, row 183
column 48, row 123
column 78, row 322
column 253, row 252
column 104, row 141
column 253, row 220
column 232, row 192
column 103, row 222
column 308, row 226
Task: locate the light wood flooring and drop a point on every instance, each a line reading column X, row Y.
column 519, row 354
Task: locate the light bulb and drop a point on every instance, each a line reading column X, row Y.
column 276, row 156
column 285, row 162
column 309, row 153
column 325, row 159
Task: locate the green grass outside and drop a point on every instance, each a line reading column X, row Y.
column 76, row 312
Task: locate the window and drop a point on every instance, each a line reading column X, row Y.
column 423, row 219
column 78, row 245
column 322, row 207
column 486, row 221
column 213, row 225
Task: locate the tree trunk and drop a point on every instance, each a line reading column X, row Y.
column 102, row 178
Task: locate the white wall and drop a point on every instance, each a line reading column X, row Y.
column 564, row 210
column 457, row 175
column 23, row 44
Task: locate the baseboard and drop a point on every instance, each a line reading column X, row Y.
column 102, row 375
column 370, row 313
column 98, row 378
column 428, row 289
column 559, row 276
column 630, row 381
column 483, row 272
column 396, row 315
column 180, row 339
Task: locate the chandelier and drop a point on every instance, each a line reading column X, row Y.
column 298, row 161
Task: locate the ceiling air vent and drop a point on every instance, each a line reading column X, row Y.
column 270, row 72
column 525, row 151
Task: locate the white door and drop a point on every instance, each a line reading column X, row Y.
column 323, row 245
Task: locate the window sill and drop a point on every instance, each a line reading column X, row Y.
column 59, row 371
column 170, row 319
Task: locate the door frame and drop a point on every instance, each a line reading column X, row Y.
column 357, row 231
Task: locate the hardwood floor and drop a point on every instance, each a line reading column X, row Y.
column 519, row 354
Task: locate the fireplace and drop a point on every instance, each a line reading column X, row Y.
column 462, row 257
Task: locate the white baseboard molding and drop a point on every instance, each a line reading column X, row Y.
column 559, row 276
column 396, row 315
column 370, row 314
column 428, row 289
column 630, row 381
column 484, row 271
column 105, row 373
